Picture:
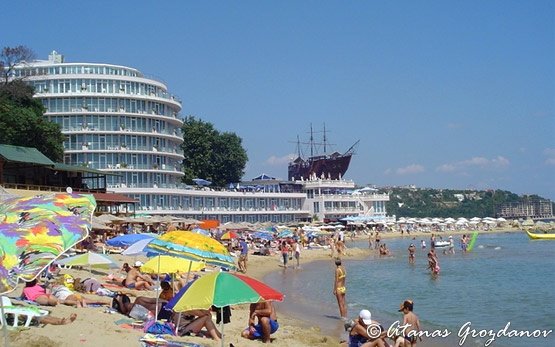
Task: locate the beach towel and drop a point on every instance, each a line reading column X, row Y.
column 159, row 328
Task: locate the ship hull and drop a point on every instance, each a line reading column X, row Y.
column 328, row 167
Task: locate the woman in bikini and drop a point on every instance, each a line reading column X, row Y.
column 339, row 289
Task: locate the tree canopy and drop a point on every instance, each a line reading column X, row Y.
column 22, row 121
column 211, row 155
column 420, row 203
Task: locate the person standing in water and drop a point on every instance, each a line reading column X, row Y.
column 339, row 289
column 412, row 250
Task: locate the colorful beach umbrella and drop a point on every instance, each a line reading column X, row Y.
column 89, row 259
column 169, row 265
column 230, row 235
column 192, row 246
column 36, row 230
column 223, row 289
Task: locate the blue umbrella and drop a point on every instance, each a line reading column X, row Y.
column 285, row 233
column 128, row 239
column 262, row 235
column 202, row 181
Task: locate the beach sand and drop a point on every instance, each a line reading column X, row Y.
column 94, row 327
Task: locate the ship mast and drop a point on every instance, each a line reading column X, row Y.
column 325, row 139
column 311, row 141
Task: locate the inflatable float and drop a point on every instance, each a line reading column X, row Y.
column 537, row 236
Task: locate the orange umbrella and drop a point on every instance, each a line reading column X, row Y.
column 230, row 235
column 209, row 224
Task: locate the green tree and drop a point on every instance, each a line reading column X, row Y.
column 209, row 154
column 22, row 121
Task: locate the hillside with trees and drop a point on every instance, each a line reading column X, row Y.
column 420, row 203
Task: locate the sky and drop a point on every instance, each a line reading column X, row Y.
column 441, row 94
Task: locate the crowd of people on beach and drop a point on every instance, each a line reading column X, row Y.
column 262, row 321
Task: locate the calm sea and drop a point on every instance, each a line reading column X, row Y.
column 507, row 278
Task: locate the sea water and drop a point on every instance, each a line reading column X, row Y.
column 506, row 279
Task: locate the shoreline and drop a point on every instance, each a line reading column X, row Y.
column 362, row 253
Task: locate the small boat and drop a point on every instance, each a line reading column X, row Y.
column 440, row 244
column 540, row 236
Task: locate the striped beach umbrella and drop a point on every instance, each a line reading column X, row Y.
column 170, row 265
column 223, row 289
column 230, row 235
column 192, row 246
column 89, row 259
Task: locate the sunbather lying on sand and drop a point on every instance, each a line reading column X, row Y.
column 68, row 297
column 57, row 320
column 34, row 292
column 193, row 322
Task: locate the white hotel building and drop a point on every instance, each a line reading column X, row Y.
column 120, row 121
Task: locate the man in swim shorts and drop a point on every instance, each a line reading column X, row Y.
column 136, row 280
column 267, row 322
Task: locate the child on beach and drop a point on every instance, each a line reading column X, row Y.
column 411, row 321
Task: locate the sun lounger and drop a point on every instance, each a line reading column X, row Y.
column 28, row 313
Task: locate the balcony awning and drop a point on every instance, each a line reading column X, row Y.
column 114, row 198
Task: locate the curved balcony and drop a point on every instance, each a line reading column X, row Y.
column 116, row 168
column 163, row 98
column 172, row 136
column 173, row 118
column 86, row 148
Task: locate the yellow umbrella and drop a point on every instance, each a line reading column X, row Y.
column 170, row 265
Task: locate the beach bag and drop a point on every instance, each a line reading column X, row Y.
column 139, row 312
column 159, row 328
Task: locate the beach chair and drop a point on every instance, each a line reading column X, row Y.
column 27, row 313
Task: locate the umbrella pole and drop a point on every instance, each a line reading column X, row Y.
column 189, row 272
column 177, row 325
column 157, row 291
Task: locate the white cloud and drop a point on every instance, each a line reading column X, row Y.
column 410, row 169
column 279, row 161
column 474, row 162
column 454, row 126
column 446, row 168
column 550, row 154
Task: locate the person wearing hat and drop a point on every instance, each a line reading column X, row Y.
column 364, row 325
column 411, row 321
column 136, row 280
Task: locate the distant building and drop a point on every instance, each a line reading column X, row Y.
column 532, row 208
column 459, row 197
